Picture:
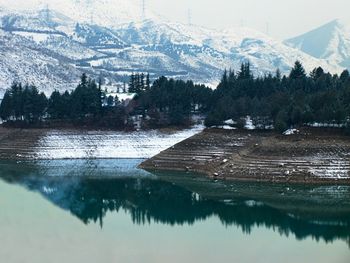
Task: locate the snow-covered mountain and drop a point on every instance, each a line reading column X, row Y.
column 330, row 41
column 106, row 13
column 52, row 44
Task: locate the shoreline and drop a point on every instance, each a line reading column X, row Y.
column 314, row 156
column 311, row 157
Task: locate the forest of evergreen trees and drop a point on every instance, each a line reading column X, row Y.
column 166, row 102
column 281, row 101
column 82, row 106
column 287, row 101
column 171, row 102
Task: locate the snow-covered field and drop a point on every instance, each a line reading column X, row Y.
column 108, row 144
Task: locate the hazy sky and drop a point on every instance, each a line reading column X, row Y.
column 283, row 18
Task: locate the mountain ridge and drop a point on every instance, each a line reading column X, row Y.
column 111, row 52
column 330, row 42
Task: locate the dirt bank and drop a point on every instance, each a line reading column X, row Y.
column 43, row 144
column 312, row 156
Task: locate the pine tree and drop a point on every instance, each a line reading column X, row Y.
column 278, row 74
column 132, row 83
column 110, row 101
column 148, row 82
column 138, row 87
column 298, row 71
column 245, row 72
column 55, row 106
column 6, row 107
column 317, row 73
column 17, row 98
column 345, row 76
column 231, row 76
column 142, row 82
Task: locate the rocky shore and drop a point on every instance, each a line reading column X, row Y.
column 311, row 156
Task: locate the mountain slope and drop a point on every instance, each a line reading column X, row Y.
column 54, row 45
column 24, row 60
column 102, row 12
column 330, row 41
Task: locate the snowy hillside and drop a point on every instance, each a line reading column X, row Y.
column 23, row 60
column 55, row 43
column 102, row 12
column 330, row 41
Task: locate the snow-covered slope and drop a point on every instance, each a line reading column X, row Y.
column 101, row 145
column 330, row 41
column 22, row 59
column 209, row 51
column 111, row 39
column 102, row 12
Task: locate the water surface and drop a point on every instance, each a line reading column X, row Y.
column 109, row 211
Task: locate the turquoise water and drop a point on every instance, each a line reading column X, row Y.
column 109, row 211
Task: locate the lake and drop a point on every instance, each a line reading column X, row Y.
column 109, row 211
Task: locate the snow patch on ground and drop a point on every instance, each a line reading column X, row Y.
column 224, row 127
column 336, row 169
column 98, row 144
column 326, row 125
column 230, row 122
column 249, row 124
column 291, row 132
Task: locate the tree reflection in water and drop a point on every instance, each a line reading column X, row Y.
column 321, row 212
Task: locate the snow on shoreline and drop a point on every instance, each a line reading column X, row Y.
column 104, row 145
column 291, row 132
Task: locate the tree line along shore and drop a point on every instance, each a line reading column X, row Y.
column 271, row 101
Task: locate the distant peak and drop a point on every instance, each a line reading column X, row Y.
column 335, row 22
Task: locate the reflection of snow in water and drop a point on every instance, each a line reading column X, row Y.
column 96, row 144
column 98, row 168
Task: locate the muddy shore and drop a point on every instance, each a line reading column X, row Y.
column 313, row 156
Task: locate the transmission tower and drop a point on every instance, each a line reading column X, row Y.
column 92, row 18
column 143, row 8
column 242, row 23
column 267, row 28
column 189, row 17
column 47, row 13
